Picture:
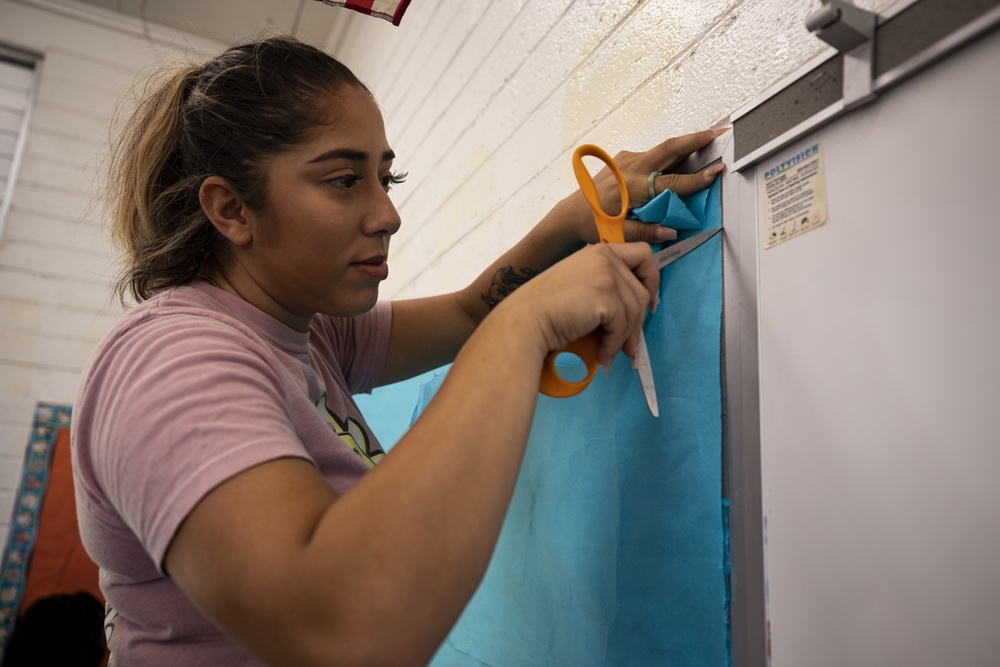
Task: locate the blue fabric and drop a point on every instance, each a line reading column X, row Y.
column 613, row 551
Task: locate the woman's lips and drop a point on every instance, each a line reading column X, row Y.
column 375, row 268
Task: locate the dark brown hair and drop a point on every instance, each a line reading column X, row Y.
column 191, row 121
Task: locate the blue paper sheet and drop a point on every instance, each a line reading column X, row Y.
column 613, row 551
column 390, row 410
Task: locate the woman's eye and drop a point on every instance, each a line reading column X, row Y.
column 393, row 179
column 345, row 182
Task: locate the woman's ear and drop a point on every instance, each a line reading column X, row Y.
column 225, row 209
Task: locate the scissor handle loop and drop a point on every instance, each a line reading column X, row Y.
column 611, row 229
column 555, row 385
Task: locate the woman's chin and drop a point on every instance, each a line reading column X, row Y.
column 363, row 302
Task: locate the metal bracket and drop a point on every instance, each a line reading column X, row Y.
column 850, row 30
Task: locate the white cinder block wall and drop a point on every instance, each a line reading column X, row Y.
column 55, row 262
column 484, row 102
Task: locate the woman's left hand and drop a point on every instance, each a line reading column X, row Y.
column 636, row 168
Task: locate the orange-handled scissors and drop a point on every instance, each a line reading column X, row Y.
column 611, row 229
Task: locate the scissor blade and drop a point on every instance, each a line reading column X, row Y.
column 678, row 250
column 645, row 371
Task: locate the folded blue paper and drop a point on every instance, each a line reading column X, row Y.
column 674, row 211
column 613, row 551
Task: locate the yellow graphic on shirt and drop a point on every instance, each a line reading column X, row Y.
column 109, row 627
column 353, row 434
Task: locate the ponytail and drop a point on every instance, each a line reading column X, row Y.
column 156, row 218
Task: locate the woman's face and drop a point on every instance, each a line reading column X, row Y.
column 321, row 242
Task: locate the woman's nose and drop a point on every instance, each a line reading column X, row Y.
column 384, row 219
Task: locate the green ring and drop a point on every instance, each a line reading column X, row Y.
column 649, row 182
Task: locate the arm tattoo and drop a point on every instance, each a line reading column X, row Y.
column 505, row 281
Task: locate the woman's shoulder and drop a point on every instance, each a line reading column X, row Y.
column 188, row 308
column 180, row 321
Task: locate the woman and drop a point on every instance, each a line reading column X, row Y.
column 220, row 461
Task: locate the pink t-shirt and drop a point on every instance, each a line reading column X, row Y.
column 189, row 389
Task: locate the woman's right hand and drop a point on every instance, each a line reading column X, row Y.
column 607, row 287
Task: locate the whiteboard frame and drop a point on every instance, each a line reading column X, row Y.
column 742, row 471
column 926, row 57
column 742, row 446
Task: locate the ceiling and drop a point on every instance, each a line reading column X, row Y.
column 233, row 20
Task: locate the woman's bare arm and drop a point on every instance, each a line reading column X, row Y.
column 380, row 574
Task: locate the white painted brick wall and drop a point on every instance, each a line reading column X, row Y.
column 55, row 262
column 485, row 101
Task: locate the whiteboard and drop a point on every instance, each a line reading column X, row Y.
column 879, row 381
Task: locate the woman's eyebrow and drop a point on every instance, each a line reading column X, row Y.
column 350, row 154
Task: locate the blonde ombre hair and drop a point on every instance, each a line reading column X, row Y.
column 191, row 121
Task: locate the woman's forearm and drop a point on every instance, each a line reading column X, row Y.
column 450, row 478
column 555, row 237
column 428, row 332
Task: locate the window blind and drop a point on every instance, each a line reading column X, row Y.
column 17, row 86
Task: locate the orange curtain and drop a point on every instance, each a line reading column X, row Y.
column 44, row 555
column 59, row 563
